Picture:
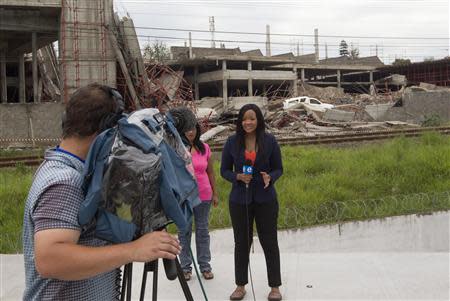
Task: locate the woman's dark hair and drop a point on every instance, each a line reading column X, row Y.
column 197, row 143
column 184, row 120
column 260, row 127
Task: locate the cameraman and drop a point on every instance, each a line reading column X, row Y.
column 62, row 260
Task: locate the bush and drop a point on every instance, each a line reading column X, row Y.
column 432, row 120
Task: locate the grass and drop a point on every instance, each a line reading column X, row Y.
column 7, row 153
column 14, row 185
column 326, row 184
column 320, row 185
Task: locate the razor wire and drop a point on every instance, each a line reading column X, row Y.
column 296, row 215
column 300, row 214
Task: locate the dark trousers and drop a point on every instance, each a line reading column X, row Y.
column 265, row 215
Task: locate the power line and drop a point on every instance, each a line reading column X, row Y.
column 294, row 35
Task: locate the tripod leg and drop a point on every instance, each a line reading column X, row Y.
column 155, row 282
column 184, row 285
column 130, row 275
column 124, row 283
column 144, row 281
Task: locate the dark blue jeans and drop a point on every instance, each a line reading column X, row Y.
column 202, row 239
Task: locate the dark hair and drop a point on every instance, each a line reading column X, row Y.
column 184, row 120
column 197, row 143
column 260, row 127
column 91, row 109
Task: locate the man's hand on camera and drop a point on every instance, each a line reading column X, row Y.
column 158, row 244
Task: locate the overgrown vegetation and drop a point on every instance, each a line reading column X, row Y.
column 7, row 153
column 319, row 185
column 14, row 185
column 432, row 120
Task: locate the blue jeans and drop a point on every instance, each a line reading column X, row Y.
column 201, row 218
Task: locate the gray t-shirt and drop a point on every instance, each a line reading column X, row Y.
column 56, row 207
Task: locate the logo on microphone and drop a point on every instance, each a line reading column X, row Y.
column 247, row 170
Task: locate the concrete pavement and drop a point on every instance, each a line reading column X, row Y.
column 401, row 258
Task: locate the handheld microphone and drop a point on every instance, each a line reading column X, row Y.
column 247, row 169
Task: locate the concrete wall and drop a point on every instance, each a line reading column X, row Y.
column 377, row 111
column 418, row 105
column 21, row 120
column 274, row 75
column 338, row 115
column 238, row 102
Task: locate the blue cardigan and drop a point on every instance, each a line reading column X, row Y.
column 269, row 160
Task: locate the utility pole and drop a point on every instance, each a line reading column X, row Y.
column 298, row 48
column 268, row 53
column 190, row 45
column 316, row 43
column 326, row 50
column 212, row 29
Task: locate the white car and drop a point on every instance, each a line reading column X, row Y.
column 312, row 102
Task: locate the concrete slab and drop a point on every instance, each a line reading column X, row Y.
column 338, row 115
column 377, row 111
column 238, row 102
column 402, row 258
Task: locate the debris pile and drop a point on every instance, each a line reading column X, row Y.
column 351, row 113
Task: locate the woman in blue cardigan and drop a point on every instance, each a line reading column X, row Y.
column 253, row 196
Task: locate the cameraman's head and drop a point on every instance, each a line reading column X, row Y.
column 91, row 110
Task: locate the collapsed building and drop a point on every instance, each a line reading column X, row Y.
column 49, row 48
column 233, row 77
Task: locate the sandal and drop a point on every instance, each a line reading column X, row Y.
column 208, row 275
column 274, row 296
column 187, row 276
column 238, row 294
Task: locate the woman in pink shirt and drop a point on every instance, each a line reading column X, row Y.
column 204, row 174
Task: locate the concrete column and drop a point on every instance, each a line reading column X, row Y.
column 21, row 78
column 250, row 80
column 316, row 44
column 196, row 87
column 35, row 67
column 338, row 76
column 190, row 45
column 268, row 51
column 295, row 83
column 371, row 77
column 302, row 74
column 224, row 85
column 3, row 84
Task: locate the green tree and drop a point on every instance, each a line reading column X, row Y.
column 343, row 48
column 401, row 62
column 157, row 52
column 354, row 52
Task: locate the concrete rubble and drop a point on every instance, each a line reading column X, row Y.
column 405, row 108
column 214, row 82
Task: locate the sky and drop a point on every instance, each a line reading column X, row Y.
column 409, row 29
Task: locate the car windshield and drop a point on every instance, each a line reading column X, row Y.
column 314, row 101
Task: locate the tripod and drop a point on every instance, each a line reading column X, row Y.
column 173, row 270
